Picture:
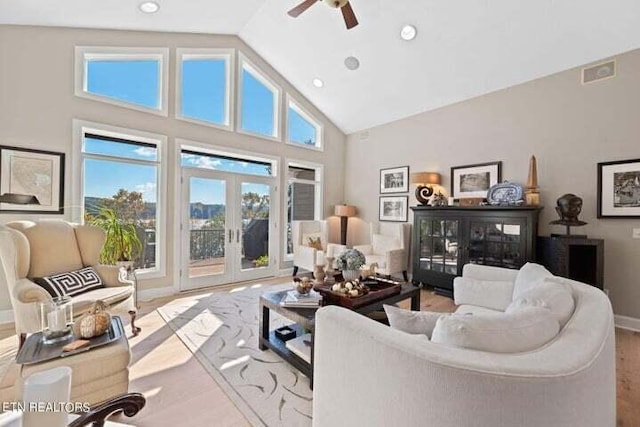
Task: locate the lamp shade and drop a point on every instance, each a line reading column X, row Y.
column 425, row 178
column 345, row 210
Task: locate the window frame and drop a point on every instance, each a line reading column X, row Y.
column 304, row 113
column 83, row 54
column 229, row 56
column 80, row 129
column 267, row 81
column 318, row 182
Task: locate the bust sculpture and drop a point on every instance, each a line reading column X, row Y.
column 569, row 207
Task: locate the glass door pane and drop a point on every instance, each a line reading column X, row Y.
column 255, row 207
column 206, row 230
column 207, row 223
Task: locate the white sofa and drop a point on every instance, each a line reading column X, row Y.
column 366, row 373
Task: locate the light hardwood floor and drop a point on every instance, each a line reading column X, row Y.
column 180, row 392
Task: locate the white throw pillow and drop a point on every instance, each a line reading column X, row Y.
column 529, row 276
column 551, row 294
column 382, row 243
column 412, row 322
column 312, row 237
column 517, row 331
column 485, row 293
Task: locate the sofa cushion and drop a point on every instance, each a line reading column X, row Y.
column 110, row 295
column 517, row 331
column 486, row 293
column 551, row 294
column 72, row 283
column 475, row 309
column 412, row 322
column 529, row 276
column 381, row 243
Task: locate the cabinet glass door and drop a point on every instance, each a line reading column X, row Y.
column 496, row 243
column 438, row 245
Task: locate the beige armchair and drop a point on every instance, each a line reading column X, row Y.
column 389, row 248
column 305, row 256
column 47, row 247
column 98, row 374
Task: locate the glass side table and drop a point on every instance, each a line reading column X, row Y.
column 127, row 274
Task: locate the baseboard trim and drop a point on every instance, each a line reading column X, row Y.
column 6, row 316
column 153, row 293
column 629, row 323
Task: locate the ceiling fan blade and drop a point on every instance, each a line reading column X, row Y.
column 301, row 8
column 349, row 16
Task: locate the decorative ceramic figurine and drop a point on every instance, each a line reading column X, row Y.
column 318, row 274
column 532, row 194
column 438, row 200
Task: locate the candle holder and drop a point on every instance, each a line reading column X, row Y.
column 56, row 319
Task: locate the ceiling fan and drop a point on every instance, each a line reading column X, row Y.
column 349, row 16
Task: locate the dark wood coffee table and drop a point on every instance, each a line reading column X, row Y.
column 304, row 319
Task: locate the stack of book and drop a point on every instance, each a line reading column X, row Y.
column 294, row 299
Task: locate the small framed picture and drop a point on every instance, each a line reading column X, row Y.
column 394, row 208
column 474, row 180
column 32, row 173
column 619, row 189
column 394, row 180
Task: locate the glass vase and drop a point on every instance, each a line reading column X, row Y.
column 56, row 319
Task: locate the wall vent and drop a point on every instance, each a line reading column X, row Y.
column 602, row 71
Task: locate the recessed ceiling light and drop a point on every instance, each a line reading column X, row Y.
column 318, row 83
column 352, row 63
column 149, row 7
column 408, row 32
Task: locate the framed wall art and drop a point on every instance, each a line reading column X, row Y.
column 32, row 172
column 474, row 180
column 394, row 180
column 619, row 189
column 394, row 208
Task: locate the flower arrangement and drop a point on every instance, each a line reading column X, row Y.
column 351, row 259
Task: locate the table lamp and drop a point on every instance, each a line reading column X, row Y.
column 424, row 181
column 344, row 212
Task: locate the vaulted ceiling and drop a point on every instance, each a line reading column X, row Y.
column 464, row 48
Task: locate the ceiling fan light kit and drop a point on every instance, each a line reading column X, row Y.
column 348, row 14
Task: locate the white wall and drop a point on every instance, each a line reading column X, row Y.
column 568, row 126
column 37, row 106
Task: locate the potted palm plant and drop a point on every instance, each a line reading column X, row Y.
column 122, row 244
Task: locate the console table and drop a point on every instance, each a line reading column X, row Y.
column 575, row 258
column 445, row 238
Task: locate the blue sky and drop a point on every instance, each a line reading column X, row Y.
column 203, row 82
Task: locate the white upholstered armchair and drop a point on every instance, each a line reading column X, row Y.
column 305, row 233
column 389, row 248
column 48, row 247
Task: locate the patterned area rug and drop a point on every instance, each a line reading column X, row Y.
column 221, row 330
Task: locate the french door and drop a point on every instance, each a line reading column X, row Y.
column 227, row 228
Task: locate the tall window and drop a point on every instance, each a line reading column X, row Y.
column 259, row 102
column 128, row 77
column 304, row 193
column 204, row 86
column 122, row 174
column 302, row 128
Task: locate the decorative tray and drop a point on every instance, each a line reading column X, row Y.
column 505, row 194
column 35, row 351
column 375, row 289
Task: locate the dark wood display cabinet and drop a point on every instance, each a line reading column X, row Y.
column 446, row 238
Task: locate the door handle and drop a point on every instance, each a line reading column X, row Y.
column 230, row 235
column 237, row 235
